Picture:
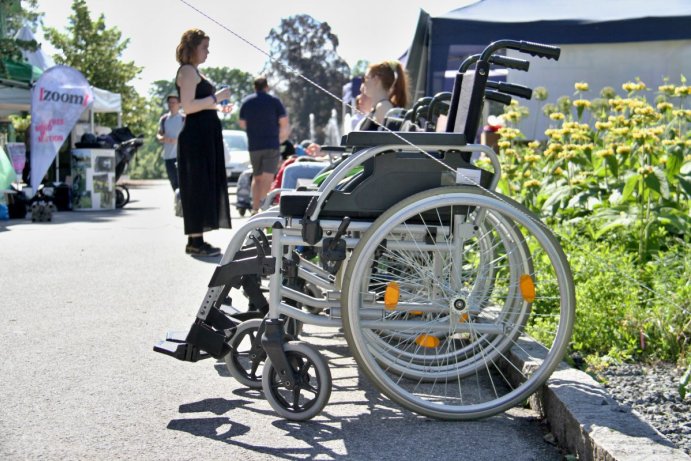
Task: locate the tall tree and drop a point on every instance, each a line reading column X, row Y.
column 95, row 50
column 301, row 45
column 12, row 17
column 239, row 82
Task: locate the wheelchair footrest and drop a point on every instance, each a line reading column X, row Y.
column 176, row 336
column 180, row 350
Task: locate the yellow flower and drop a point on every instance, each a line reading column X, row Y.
column 657, row 130
column 533, row 183
column 647, row 110
column 602, row 153
column 581, row 103
column 645, row 170
column 581, row 86
column 527, row 174
column 510, row 152
column 623, row 150
column 648, row 149
column 603, row 125
column 663, row 160
column 664, row 106
column 556, row 116
column 566, row 154
column 633, row 86
column 531, row 158
column 483, row 162
column 580, row 136
column 618, row 105
column 504, row 144
column 512, row 116
column 629, row 87
column 558, row 171
column 668, row 89
column 534, row 144
column 508, row 133
column 553, row 149
column 681, row 91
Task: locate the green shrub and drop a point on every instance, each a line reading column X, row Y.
column 614, row 179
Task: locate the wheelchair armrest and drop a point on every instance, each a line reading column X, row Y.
column 377, row 138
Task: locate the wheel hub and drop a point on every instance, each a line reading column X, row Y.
column 458, row 305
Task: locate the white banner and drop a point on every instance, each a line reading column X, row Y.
column 58, row 99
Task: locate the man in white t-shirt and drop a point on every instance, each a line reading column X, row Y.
column 169, row 127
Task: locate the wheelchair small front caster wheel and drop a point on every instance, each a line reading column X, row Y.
column 312, row 389
column 245, row 363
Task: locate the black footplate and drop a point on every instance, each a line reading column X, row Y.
column 181, row 351
column 202, row 341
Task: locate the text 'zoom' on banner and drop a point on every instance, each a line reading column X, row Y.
column 58, row 99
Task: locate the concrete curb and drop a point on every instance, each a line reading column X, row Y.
column 589, row 423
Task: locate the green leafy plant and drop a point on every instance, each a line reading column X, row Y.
column 613, row 179
column 685, row 383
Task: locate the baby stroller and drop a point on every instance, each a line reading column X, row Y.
column 243, row 192
column 455, row 301
column 126, row 145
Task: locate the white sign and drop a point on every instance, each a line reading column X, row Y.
column 58, row 99
column 468, row 176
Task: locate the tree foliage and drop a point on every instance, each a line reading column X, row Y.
column 12, row 18
column 302, row 46
column 95, row 50
column 239, row 82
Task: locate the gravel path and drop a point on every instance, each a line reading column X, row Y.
column 653, row 392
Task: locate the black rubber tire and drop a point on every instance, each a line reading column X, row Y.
column 314, row 377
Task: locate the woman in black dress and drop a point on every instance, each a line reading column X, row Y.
column 201, row 164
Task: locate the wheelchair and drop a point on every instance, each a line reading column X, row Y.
column 455, row 301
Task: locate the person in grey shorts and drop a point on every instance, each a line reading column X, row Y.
column 266, row 122
column 169, row 127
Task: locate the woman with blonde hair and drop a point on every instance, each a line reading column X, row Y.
column 386, row 85
column 201, row 160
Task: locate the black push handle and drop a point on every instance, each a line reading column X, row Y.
column 439, row 101
column 421, row 111
column 531, row 48
column 538, row 49
column 467, row 62
column 504, row 61
column 509, row 62
column 498, row 97
column 511, row 88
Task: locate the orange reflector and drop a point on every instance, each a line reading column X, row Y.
column 425, row 340
column 415, row 312
column 391, row 295
column 463, row 317
column 527, row 288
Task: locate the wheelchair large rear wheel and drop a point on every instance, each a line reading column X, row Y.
column 458, row 304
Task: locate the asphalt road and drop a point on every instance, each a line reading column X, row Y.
column 84, row 298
